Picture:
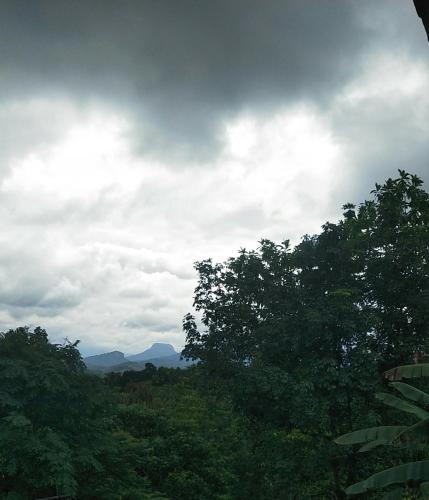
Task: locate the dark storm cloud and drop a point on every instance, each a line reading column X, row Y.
column 180, row 68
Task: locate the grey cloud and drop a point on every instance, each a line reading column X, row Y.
column 29, row 283
column 383, row 133
column 63, row 294
column 181, row 68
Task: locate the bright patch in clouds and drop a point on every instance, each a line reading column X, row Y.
column 90, row 158
column 289, row 163
column 388, row 77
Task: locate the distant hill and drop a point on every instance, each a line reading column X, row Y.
column 158, row 354
column 106, row 359
column 157, row 350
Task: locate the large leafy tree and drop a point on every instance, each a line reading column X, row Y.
column 364, row 280
column 299, row 335
column 55, row 425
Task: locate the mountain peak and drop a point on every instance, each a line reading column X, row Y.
column 157, row 350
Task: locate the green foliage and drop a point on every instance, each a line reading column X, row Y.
column 298, row 336
column 411, row 393
column 415, row 437
column 383, row 433
column 187, row 441
column 401, row 404
column 55, row 422
column 414, row 472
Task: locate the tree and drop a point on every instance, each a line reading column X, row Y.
column 56, row 424
column 364, row 280
column 390, row 236
column 299, row 335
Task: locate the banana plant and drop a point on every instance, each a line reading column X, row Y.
column 416, row 436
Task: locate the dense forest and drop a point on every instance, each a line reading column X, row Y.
column 292, row 345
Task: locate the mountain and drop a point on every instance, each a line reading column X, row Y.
column 106, row 359
column 158, row 350
column 159, row 354
column 173, row 361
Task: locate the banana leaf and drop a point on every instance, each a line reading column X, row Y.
column 411, row 392
column 371, row 434
column 414, row 472
column 401, row 404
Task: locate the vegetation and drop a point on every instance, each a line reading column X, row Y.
column 56, row 425
column 298, row 336
column 413, row 476
column 292, row 347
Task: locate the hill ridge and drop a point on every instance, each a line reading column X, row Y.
column 159, row 354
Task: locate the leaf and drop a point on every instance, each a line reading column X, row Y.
column 401, row 474
column 386, row 432
column 418, row 370
column 401, row 404
column 411, row 392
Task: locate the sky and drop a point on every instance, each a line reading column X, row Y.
column 140, row 136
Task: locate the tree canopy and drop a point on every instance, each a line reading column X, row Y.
column 55, row 423
column 299, row 335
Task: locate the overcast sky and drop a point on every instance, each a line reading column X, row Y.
column 140, row 136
